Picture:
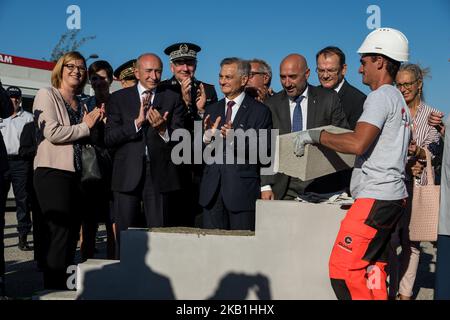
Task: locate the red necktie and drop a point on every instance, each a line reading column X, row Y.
column 230, row 105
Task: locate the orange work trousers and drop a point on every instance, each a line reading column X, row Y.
column 359, row 256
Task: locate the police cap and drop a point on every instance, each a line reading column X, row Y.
column 182, row 51
column 126, row 70
column 14, row 91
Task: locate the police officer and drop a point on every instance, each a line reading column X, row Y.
column 196, row 96
column 125, row 74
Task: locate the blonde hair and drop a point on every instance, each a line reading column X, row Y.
column 58, row 69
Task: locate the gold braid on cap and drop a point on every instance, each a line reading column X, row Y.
column 126, row 73
column 183, row 52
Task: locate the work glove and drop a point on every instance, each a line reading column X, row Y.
column 302, row 138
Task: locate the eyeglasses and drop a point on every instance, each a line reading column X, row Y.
column 72, row 67
column 254, row 73
column 406, row 85
column 331, row 71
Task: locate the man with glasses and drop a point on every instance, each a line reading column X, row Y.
column 300, row 106
column 196, row 95
column 331, row 70
column 258, row 85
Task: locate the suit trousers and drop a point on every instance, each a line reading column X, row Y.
column 17, row 175
column 59, row 196
column 2, row 224
column 217, row 216
column 128, row 209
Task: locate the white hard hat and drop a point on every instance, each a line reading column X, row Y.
column 386, row 41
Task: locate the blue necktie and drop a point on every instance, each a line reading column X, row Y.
column 297, row 118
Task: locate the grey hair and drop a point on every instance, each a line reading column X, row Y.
column 263, row 67
column 243, row 66
column 416, row 70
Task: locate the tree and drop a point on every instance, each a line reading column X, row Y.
column 68, row 42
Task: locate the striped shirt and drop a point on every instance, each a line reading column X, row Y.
column 425, row 136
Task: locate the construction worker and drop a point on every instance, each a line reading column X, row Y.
column 380, row 142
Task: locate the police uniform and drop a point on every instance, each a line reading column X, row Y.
column 187, row 199
column 125, row 72
column 185, row 51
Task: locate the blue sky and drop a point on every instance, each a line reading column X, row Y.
column 263, row 29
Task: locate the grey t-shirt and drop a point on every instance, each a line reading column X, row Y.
column 379, row 173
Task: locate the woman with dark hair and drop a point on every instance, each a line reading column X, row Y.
column 409, row 81
column 62, row 124
column 98, row 193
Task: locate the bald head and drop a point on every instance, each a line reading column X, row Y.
column 294, row 74
column 148, row 70
column 296, row 59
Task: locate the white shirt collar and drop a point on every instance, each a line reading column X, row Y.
column 18, row 114
column 142, row 89
column 340, row 85
column 238, row 100
column 304, row 94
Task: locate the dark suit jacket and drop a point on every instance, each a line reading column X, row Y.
column 240, row 182
column 352, row 101
column 129, row 145
column 324, row 109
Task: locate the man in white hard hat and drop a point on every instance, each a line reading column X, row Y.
column 380, row 141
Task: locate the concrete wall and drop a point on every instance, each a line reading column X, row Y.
column 286, row 258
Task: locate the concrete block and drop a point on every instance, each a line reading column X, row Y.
column 286, row 258
column 55, row 295
column 317, row 161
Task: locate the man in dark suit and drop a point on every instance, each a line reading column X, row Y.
column 196, row 96
column 331, row 69
column 139, row 122
column 6, row 109
column 298, row 107
column 228, row 191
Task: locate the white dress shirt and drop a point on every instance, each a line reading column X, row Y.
column 12, row 128
column 141, row 90
column 304, row 106
column 340, row 85
column 238, row 101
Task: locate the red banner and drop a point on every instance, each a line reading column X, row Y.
column 25, row 62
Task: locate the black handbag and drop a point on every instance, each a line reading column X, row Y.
column 90, row 168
